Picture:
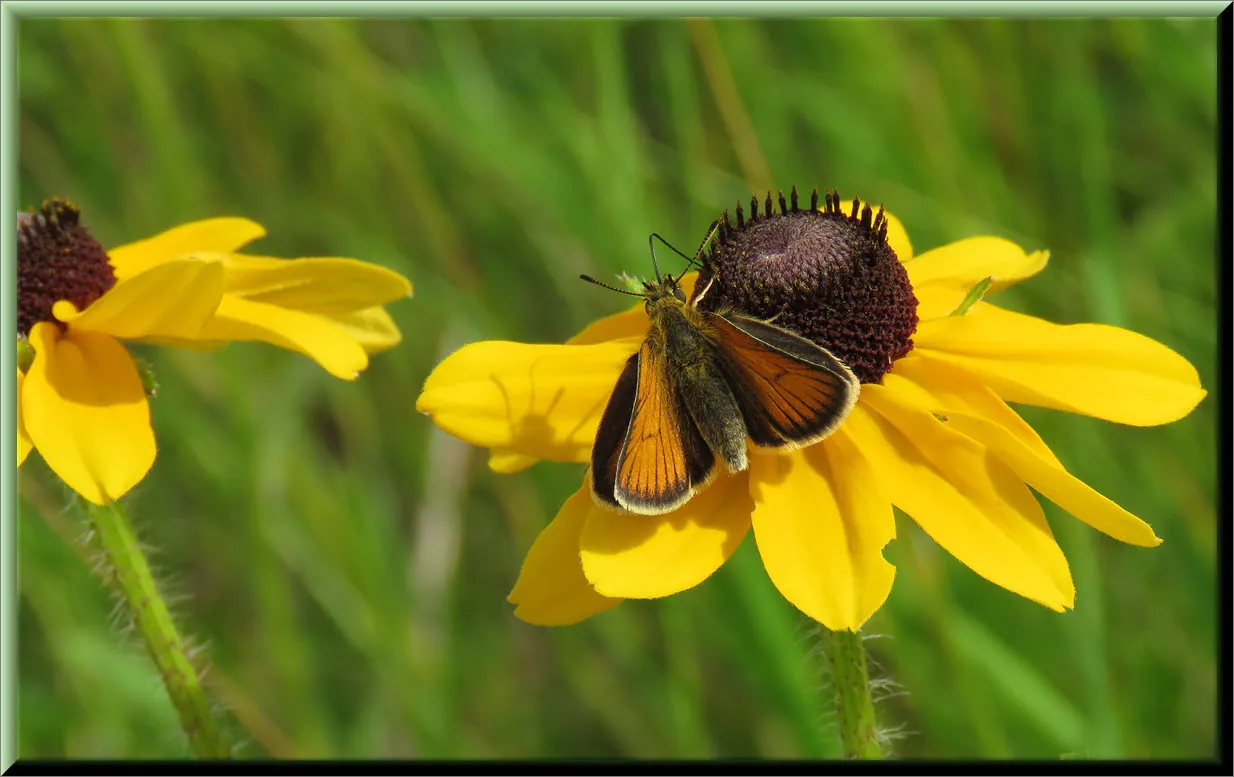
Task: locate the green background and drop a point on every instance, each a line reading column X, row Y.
column 345, row 565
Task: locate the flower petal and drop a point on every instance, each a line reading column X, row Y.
column 646, row 557
column 974, row 410
column 508, row 462
column 317, row 337
column 1093, row 369
column 173, row 300
column 86, row 412
column 946, row 274
column 551, row 589
column 629, row 324
column 821, row 523
column 23, row 440
column 371, row 328
column 953, row 389
column 320, row 285
column 897, row 238
column 966, row 500
column 221, row 235
column 541, row 400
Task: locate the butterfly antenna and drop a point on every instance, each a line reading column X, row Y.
column 715, row 226
column 589, row 279
column 711, row 233
column 651, row 244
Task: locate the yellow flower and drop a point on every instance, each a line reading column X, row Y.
column 80, row 398
column 931, row 435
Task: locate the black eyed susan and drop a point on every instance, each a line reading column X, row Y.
column 80, row 396
column 931, row 432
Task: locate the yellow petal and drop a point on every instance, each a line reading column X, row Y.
column 821, row 523
column 371, row 328
column 953, row 389
column 897, row 238
column 632, row 323
column 944, row 275
column 221, row 235
column 551, row 589
column 1097, row 370
column 974, row 410
column 1056, row 484
column 172, row 300
column 965, row 499
column 23, row 440
column 540, row 400
column 317, row 337
column 326, row 285
column 509, row 462
column 935, row 301
column 646, row 557
column 86, row 412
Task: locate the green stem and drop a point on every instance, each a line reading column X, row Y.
column 846, row 659
column 157, row 629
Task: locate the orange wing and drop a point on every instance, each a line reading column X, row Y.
column 611, row 436
column 662, row 459
column 791, row 392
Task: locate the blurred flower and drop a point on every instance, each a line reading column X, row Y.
column 80, row 396
column 931, row 433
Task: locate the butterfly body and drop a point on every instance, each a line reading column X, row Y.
column 700, row 384
column 688, row 341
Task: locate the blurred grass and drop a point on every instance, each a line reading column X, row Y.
column 347, row 565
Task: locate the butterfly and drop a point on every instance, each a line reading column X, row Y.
column 700, row 384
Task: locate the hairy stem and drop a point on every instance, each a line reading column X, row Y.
column 846, row 660
column 157, row 629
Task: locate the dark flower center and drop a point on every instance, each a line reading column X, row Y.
column 57, row 258
column 829, row 276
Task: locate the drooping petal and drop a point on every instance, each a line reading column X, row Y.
column 821, row 522
column 649, row 556
column 220, row 235
column 964, row 498
column 972, row 409
column 953, row 389
column 541, row 400
column 319, row 285
column 172, row 300
column 1092, row 369
column 508, row 462
column 944, row 275
column 551, row 589
column 23, row 440
column 371, row 328
column 315, row 336
column 85, row 410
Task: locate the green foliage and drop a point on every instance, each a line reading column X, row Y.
column 346, row 565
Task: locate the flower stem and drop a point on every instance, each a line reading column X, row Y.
column 846, row 659
column 158, row 630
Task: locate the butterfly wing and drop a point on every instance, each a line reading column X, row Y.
column 791, row 391
column 649, row 457
column 611, row 436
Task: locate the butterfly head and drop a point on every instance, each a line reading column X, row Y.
column 664, row 290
